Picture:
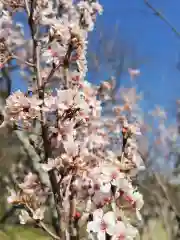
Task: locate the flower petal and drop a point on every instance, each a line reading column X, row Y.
column 109, row 218
column 97, row 215
column 93, row 226
column 111, row 230
column 105, row 188
column 120, row 228
column 131, row 231
column 101, row 235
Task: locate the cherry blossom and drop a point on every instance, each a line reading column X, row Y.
column 102, row 224
column 124, row 231
column 89, row 157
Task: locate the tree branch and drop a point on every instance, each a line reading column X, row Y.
column 44, row 127
column 163, row 18
column 27, row 7
column 31, row 152
column 8, row 80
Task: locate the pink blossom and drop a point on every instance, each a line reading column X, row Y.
column 102, row 224
column 124, row 231
column 79, row 148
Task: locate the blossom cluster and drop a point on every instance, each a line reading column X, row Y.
column 91, row 182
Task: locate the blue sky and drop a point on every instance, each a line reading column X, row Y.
column 153, row 40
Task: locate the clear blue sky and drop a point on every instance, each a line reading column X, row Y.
column 153, row 40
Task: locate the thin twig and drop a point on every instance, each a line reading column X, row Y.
column 163, row 18
column 64, row 64
column 47, row 230
column 22, row 61
column 17, row 58
column 42, row 225
column 27, row 7
column 52, row 71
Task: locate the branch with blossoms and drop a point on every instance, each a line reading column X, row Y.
column 90, row 160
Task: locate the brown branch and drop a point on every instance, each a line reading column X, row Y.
column 163, row 18
column 64, row 64
column 51, row 73
column 44, row 128
column 8, row 81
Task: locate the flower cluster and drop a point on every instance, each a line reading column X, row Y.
column 32, row 197
column 90, row 159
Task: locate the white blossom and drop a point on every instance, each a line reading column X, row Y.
column 102, row 224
